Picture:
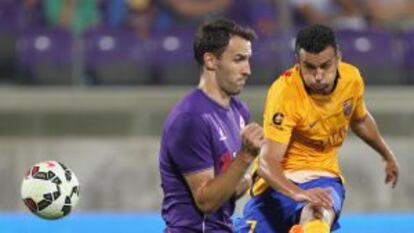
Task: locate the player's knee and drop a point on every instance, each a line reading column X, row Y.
column 311, row 212
column 323, row 213
column 326, row 215
column 316, row 219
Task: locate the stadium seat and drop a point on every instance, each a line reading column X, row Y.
column 9, row 22
column 117, row 57
column 7, row 55
column 374, row 53
column 173, row 54
column 272, row 55
column 240, row 11
column 45, row 56
column 265, row 17
column 407, row 40
column 10, row 14
column 15, row 15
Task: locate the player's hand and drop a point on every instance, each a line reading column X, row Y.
column 316, row 196
column 392, row 172
column 252, row 139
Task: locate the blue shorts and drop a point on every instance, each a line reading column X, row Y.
column 273, row 212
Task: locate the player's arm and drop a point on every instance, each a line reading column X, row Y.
column 243, row 186
column 210, row 192
column 280, row 118
column 271, row 170
column 367, row 130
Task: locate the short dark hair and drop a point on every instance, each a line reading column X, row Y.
column 213, row 37
column 315, row 38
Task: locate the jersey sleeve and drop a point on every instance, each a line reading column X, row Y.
column 279, row 116
column 189, row 144
column 360, row 107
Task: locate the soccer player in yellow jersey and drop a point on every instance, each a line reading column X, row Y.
column 298, row 186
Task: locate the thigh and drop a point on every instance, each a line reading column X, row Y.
column 270, row 212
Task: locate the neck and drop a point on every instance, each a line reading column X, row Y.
column 208, row 84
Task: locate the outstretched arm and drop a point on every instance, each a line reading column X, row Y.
column 210, row 192
column 367, row 130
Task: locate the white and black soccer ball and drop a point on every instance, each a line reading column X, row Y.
column 50, row 190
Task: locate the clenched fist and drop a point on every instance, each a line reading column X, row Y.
column 252, row 139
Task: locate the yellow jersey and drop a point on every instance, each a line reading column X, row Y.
column 313, row 126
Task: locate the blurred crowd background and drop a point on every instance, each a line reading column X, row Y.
column 149, row 42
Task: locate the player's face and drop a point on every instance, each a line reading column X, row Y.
column 233, row 67
column 319, row 70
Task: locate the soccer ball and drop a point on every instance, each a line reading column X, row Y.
column 50, row 190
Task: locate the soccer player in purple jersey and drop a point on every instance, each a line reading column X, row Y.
column 207, row 142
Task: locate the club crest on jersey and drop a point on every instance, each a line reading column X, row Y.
column 347, row 105
column 278, row 118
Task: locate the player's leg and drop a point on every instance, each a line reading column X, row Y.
column 316, row 219
column 254, row 219
column 267, row 213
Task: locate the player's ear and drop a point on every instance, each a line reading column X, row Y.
column 209, row 61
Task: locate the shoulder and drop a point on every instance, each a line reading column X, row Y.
column 350, row 73
column 186, row 112
column 285, row 86
column 184, row 124
column 193, row 103
column 286, row 94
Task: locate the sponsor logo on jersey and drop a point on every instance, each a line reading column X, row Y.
column 335, row 139
column 312, row 124
column 278, row 118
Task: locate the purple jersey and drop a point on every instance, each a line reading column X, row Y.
column 198, row 134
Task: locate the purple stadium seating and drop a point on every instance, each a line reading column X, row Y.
column 240, row 11
column 172, row 51
column 10, row 15
column 45, row 56
column 374, row 52
column 261, row 15
column 117, row 56
column 265, row 17
column 15, row 17
column 272, row 55
column 7, row 55
column 407, row 40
